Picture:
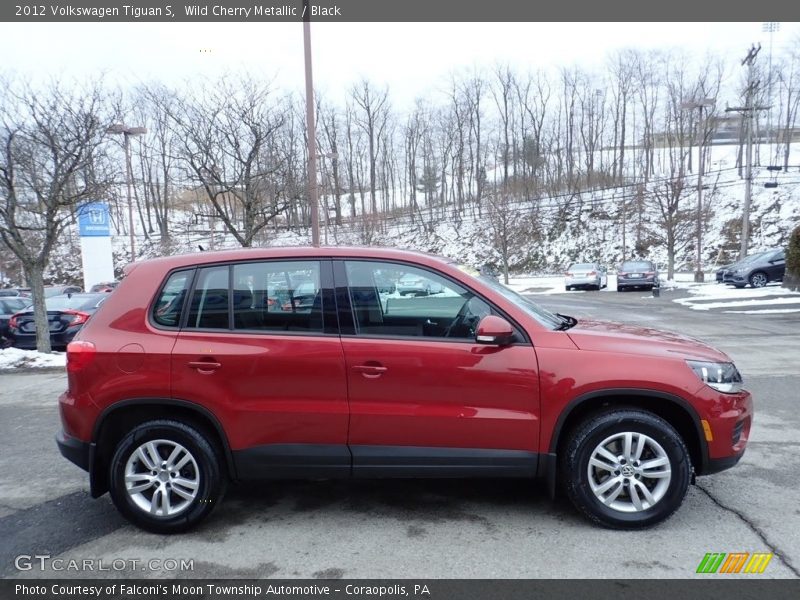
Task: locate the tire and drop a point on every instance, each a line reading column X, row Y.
column 202, row 478
column 758, row 279
column 568, row 288
column 620, row 289
column 607, row 430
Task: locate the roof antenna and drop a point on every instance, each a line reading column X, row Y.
column 201, row 247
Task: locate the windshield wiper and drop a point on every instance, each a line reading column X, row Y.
column 566, row 322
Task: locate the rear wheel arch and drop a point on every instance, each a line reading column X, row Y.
column 118, row 419
column 674, row 410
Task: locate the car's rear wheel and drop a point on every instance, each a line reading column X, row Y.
column 166, row 476
column 626, row 469
column 758, row 279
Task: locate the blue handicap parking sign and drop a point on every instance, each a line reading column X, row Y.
column 93, row 220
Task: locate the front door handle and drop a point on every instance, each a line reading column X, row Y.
column 370, row 370
column 204, row 366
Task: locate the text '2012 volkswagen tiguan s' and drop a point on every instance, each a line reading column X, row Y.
column 207, row 368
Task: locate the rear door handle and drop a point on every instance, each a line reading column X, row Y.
column 204, row 366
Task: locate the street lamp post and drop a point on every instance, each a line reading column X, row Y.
column 699, row 276
column 310, row 128
column 127, row 132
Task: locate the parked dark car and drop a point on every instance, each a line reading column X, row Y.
column 168, row 401
column 760, row 270
column 727, row 273
column 720, row 275
column 106, row 286
column 9, row 306
column 637, row 274
column 15, row 292
column 59, row 290
column 66, row 315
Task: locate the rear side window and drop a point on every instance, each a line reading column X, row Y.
column 167, row 310
column 277, row 296
column 209, row 307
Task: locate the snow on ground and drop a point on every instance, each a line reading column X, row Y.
column 715, row 295
column 554, row 284
column 14, row 358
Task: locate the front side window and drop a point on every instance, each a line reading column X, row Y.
column 400, row 300
column 167, row 309
column 277, row 296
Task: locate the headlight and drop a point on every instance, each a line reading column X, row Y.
column 723, row 377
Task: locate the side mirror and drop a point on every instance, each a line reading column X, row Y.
column 495, row 331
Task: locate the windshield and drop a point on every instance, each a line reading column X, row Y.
column 545, row 317
column 581, row 267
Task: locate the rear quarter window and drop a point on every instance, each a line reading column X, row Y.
column 168, row 307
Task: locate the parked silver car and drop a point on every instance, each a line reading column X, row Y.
column 586, row 275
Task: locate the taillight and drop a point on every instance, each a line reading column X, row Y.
column 569, row 274
column 622, row 274
column 650, row 273
column 13, row 322
column 79, row 355
column 591, row 273
column 78, row 317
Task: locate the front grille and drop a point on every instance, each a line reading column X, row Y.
column 737, row 432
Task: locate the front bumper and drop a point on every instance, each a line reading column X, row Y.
column 729, row 417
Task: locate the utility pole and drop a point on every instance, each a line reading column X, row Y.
column 748, row 112
column 770, row 27
column 699, row 275
column 310, row 127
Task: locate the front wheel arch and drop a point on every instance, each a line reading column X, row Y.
column 674, row 410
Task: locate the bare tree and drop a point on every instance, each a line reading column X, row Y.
column 372, row 119
column 228, row 132
column 50, row 163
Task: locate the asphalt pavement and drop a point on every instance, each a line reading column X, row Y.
column 425, row 529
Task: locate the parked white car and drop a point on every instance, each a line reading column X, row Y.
column 586, row 275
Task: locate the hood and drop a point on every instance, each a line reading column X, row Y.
column 607, row 336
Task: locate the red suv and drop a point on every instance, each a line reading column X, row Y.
column 187, row 378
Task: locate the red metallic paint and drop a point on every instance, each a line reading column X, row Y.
column 282, row 389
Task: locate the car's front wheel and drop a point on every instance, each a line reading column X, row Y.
column 166, row 476
column 626, row 469
column 758, row 279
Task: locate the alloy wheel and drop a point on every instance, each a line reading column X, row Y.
column 629, row 472
column 162, row 478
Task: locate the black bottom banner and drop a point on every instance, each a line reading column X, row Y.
column 393, row 589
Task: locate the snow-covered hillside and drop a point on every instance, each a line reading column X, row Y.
column 589, row 230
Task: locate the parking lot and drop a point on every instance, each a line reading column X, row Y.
column 431, row 529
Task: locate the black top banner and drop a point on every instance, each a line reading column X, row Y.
column 398, row 10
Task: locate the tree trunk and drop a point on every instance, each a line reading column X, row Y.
column 34, row 273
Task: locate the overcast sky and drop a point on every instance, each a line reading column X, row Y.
column 412, row 58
